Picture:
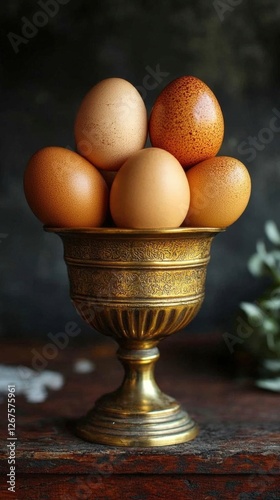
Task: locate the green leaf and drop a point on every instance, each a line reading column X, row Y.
column 269, row 383
column 272, row 232
column 261, row 248
column 272, row 304
column 264, row 262
column 256, row 265
column 254, row 313
column 270, row 327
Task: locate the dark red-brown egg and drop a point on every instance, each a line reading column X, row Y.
column 187, row 121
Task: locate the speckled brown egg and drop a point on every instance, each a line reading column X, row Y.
column 220, row 189
column 187, row 121
column 65, row 190
column 150, row 191
column 111, row 123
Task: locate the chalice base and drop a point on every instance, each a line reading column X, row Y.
column 138, row 413
column 160, row 428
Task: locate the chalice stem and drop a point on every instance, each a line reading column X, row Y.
column 139, row 388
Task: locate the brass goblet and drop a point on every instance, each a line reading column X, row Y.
column 137, row 286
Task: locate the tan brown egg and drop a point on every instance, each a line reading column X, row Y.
column 220, row 190
column 187, row 121
column 65, row 190
column 150, row 191
column 111, row 123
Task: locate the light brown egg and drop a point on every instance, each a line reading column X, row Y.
column 65, row 190
column 220, row 190
column 187, row 121
column 150, row 191
column 111, row 123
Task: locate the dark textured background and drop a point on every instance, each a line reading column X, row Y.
column 43, row 84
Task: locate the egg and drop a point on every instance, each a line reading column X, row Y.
column 220, row 190
column 150, row 190
column 187, row 121
column 65, row 190
column 111, row 123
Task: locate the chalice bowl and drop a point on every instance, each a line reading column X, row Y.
column 137, row 286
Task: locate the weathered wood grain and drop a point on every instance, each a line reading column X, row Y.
column 152, row 487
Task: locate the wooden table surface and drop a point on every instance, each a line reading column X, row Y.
column 235, row 456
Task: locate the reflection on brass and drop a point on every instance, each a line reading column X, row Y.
column 137, row 286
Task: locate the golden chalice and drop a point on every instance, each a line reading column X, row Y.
column 137, row 286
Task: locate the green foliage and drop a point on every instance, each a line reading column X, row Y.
column 264, row 314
